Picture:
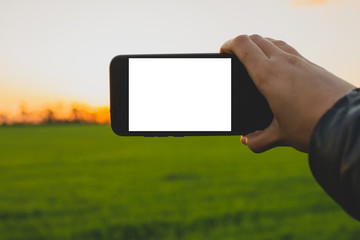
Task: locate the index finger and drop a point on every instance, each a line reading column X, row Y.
column 246, row 50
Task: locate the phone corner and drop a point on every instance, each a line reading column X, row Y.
column 115, row 129
column 113, row 61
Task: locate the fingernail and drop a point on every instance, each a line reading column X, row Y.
column 243, row 140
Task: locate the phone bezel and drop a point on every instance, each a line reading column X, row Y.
column 241, row 83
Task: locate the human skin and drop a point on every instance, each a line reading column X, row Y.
column 298, row 91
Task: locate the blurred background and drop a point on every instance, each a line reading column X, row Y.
column 65, row 175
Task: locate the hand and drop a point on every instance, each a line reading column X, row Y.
column 298, row 91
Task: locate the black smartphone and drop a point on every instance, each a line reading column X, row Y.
column 184, row 95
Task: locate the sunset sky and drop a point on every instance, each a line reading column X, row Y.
column 61, row 50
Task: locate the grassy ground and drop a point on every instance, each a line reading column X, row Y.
column 84, row 182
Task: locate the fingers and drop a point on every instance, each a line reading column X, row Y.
column 285, row 47
column 289, row 49
column 246, row 50
column 254, row 52
column 250, row 49
column 265, row 45
column 263, row 140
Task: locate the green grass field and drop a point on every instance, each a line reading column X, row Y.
column 84, row 182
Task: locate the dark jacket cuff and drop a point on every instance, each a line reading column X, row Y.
column 334, row 155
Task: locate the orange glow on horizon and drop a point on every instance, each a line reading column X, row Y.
column 315, row 2
column 310, row 2
column 58, row 112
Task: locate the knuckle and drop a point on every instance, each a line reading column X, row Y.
column 291, row 59
column 255, row 37
column 240, row 40
column 280, row 43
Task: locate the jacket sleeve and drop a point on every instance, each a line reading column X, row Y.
column 334, row 154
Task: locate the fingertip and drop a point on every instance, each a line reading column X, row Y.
column 222, row 50
column 263, row 140
column 243, row 139
column 226, row 47
column 253, row 143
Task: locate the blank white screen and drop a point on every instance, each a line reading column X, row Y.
column 179, row 94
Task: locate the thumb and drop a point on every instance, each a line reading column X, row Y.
column 263, row 140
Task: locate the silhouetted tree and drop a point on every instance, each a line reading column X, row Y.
column 3, row 119
column 49, row 116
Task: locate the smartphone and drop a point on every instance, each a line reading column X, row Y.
column 184, row 95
